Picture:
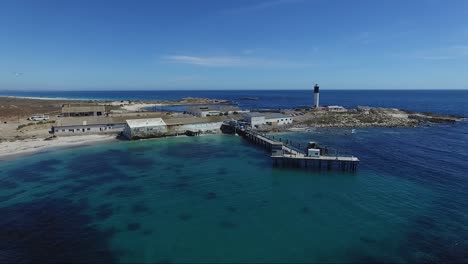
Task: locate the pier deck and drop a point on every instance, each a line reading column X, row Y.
column 285, row 156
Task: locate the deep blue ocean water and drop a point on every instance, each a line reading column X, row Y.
column 217, row 198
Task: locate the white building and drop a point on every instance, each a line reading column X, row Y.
column 71, row 126
column 144, row 128
column 256, row 119
column 313, row 152
column 200, row 125
column 336, row 108
column 278, row 119
column 212, row 110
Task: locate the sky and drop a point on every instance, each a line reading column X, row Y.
column 239, row 44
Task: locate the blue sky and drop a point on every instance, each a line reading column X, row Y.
column 257, row 44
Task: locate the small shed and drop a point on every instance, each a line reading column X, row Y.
column 313, row 152
column 144, row 128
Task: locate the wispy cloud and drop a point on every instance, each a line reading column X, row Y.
column 434, row 57
column 205, row 61
column 364, row 37
column 232, row 61
column 440, row 54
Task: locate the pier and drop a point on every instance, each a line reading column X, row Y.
column 283, row 155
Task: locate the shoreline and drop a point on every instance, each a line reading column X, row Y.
column 12, row 149
column 48, row 98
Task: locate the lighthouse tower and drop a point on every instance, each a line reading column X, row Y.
column 316, row 96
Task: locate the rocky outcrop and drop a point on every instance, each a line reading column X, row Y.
column 369, row 117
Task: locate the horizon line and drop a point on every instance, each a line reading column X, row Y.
column 220, row 90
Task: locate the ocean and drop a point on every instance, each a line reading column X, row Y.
column 218, row 199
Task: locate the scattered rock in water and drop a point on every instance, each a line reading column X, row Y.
column 133, row 226
column 211, row 196
column 185, row 217
column 105, row 211
column 367, row 240
column 124, row 191
column 227, row 225
column 231, row 209
column 53, row 231
column 5, row 184
column 222, row 171
column 147, row 232
column 165, row 261
column 5, row 198
column 140, row 208
column 305, row 210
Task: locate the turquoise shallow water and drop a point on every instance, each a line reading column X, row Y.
column 217, row 199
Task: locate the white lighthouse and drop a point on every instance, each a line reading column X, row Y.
column 316, row 96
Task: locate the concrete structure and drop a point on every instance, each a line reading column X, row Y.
column 69, row 110
column 200, row 125
column 316, row 96
column 285, row 156
column 312, row 152
column 274, row 119
column 213, row 110
column 256, row 119
column 144, row 128
column 336, row 108
column 69, row 126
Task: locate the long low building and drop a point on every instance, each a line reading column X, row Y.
column 213, row 110
column 273, row 119
column 72, row 110
column 136, row 128
column 70, row 126
column 157, row 127
column 201, row 125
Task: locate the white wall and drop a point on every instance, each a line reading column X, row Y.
column 203, row 127
column 144, row 132
column 256, row 120
column 88, row 129
column 280, row 121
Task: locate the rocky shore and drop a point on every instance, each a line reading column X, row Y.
column 362, row 117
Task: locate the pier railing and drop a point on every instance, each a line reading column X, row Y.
column 285, row 152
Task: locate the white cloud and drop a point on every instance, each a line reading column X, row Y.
column 232, row 61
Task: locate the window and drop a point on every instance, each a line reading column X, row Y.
column 88, row 129
column 71, row 130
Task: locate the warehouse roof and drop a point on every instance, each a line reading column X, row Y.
column 275, row 116
column 193, row 120
column 87, row 120
column 149, row 122
column 254, row 114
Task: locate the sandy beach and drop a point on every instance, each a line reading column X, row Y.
column 11, row 149
column 138, row 106
column 42, row 98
